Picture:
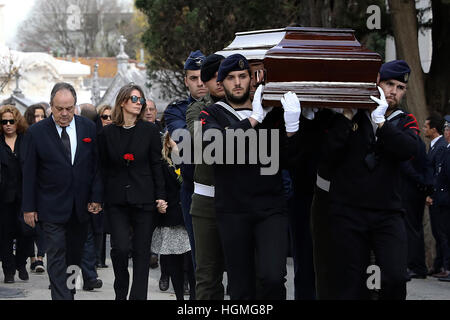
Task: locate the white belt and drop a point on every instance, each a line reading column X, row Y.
column 323, row 184
column 204, row 190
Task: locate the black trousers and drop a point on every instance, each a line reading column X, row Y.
column 301, row 244
column 175, row 268
column 440, row 227
column 414, row 204
column 12, row 228
column 255, row 245
column 65, row 244
column 355, row 233
column 123, row 220
column 323, row 247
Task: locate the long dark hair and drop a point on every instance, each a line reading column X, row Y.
column 31, row 110
column 123, row 95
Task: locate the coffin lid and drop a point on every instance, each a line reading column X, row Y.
column 254, row 44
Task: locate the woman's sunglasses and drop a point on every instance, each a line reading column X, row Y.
column 5, row 122
column 105, row 116
column 135, row 99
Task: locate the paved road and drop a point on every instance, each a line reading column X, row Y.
column 36, row 288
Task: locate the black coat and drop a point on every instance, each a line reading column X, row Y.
column 173, row 215
column 365, row 171
column 141, row 182
column 11, row 187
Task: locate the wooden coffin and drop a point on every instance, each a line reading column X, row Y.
column 324, row 67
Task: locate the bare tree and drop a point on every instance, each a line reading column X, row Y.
column 8, row 69
column 74, row 27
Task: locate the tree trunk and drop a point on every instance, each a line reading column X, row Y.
column 438, row 79
column 404, row 22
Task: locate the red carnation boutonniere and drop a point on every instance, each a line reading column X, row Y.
column 128, row 157
column 87, row 140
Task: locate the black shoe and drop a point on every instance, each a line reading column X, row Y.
column 101, row 266
column 9, row 278
column 23, row 274
column 164, row 283
column 39, row 268
column 33, row 266
column 91, row 285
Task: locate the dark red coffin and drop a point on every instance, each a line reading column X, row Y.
column 324, row 67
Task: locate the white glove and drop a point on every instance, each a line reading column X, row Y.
column 378, row 114
column 309, row 113
column 292, row 110
column 259, row 113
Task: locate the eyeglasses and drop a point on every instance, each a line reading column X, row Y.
column 5, row 122
column 135, row 99
column 106, row 116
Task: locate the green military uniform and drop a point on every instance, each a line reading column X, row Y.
column 209, row 256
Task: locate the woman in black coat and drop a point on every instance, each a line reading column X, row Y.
column 12, row 128
column 134, row 188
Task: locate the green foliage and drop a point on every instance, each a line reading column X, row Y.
column 176, row 27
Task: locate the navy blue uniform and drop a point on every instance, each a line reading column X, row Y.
column 175, row 118
column 437, row 210
column 365, row 205
column 440, row 210
column 416, row 181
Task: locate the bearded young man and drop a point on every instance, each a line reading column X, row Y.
column 364, row 152
column 250, row 206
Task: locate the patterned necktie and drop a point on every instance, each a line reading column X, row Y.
column 66, row 142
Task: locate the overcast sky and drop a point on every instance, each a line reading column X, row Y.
column 14, row 12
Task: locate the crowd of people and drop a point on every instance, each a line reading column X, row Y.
column 348, row 190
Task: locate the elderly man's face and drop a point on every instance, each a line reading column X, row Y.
column 63, row 107
column 394, row 91
column 150, row 112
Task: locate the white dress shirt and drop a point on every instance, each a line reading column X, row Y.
column 72, row 132
column 434, row 141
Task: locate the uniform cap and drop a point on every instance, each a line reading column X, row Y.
column 210, row 66
column 396, row 70
column 235, row 62
column 194, row 61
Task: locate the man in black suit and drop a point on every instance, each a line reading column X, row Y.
column 437, row 202
column 61, row 184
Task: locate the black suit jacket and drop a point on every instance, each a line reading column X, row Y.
column 365, row 171
column 142, row 181
column 438, row 154
column 435, row 154
column 52, row 186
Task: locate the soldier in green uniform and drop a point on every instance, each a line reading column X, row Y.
column 208, row 255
